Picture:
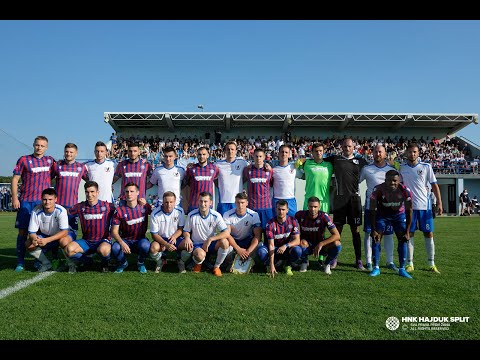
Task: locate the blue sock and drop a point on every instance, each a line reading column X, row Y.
column 262, row 254
column 332, row 254
column 295, row 254
column 105, row 260
column 118, row 253
column 143, row 248
column 21, row 239
column 376, row 249
column 402, row 253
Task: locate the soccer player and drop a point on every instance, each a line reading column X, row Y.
column 168, row 176
column 95, row 218
column 312, row 224
column 129, row 225
column 390, row 203
column 101, row 170
column 347, row 204
column 259, row 179
column 35, row 171
column 47, row 227
column 245, row 228
column 68, row 174
column 317, row 175
column 200, row 177
column 199, row 235
column 135, row 170
column 230, row 177
column 374, row 174
column 166, row 227
column 283, row 180
column 416, row 176
column 283, row 240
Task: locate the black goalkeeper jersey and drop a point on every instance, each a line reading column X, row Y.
column 347, row 173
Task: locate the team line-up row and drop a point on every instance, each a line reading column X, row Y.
column 404, row 207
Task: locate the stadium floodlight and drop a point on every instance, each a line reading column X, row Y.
column 106, row 118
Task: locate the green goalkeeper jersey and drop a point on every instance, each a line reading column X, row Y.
column 317, row 182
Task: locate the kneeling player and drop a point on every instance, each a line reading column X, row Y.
column 391, row 203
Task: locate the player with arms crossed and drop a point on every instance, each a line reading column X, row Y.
column 417, row 176
column 390, row 203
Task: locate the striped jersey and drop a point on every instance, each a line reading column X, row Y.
column 241, row 227
column 374, row 176
column 281, row 233
column 201, row 228
column 168, row 179
column 417, row 178
column 94, row 219
column 165, row 224
column 284, row 181
column 258, row 187
column 102, row 174
column 48, row 224
column 35, row 174
column 313, row 230
column 391, row 202
column 230, row 179
column 136, row 172
column 68, row 178
column 133, row 222
column 200, row 179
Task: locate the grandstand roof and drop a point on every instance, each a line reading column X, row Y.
column 121, row 121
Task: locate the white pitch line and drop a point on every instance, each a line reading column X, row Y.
column 24, row 283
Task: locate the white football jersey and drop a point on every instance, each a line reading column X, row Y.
column 102, row 174
column 418, row 179
column 201, row 228
column 374, row 176
column 284, row 181
column 230, row 179
column 48, row 224
column 168, row 180
column 241, row 228
column 165, row 224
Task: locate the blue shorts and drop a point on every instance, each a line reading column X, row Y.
column 292, row 205
column 51, row 245
column 265, row 215
column 211, row 248
column 245, row 243
column 398, row 222
column 24, row 214
column 367, row 227
column 222, row 208
column 422, row 220
column 177, row 243
column 90, row 247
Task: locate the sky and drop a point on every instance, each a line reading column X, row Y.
column 57, row 78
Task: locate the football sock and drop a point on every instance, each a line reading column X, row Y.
column 430, row 248
column 376, row 249
column 332, row 254
column 402, row 250
column 367, row 244
column 221, row 255
column 21, row 239
column 388, row 246
column 357, row 244
column 38, row 254
column 156, row 256
column 185, row 255
column 410, row 247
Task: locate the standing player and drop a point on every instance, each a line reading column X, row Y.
column 200, row 177
column 391, row 203
column 68, row 175
column 312, row 224
column 283, row 239
column 129, row 225
column 101, row 170
column 283, row 179
column 416, row 176
column 374, row 174
column 347, row 204
column 35, row 171
column 134, row 170
column 48, row 226
column 168, row 176
column 259, row 179
column 199, row 235
column 230, row 177
column 317, row 175
column 166, row 227
column 95, row 217
column 245, row 228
